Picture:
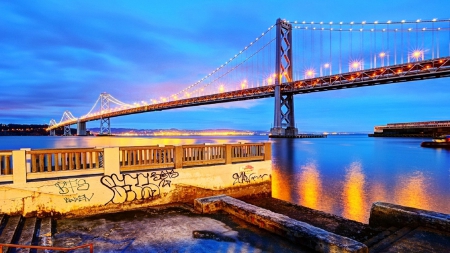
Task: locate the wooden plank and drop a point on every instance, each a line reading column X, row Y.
column 41, row 162
column 209, row 162
column 91, row 161
column 146, row 157
column 247, row 159
column 85, row 160
column 70, row 156
column 134, row 157
column 97, row 160
column 77, row 160
column 9, row 230
column 33, row 163
column 147, row 166
column 7, row 169
column 49, row 162
column 53, row 151
column 64, row 160
column 57, row 160
column 26, row 235
column 123, row 157
column 45, row 233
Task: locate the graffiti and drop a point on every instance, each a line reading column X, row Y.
column 141, row 186
column 71, row 186
column 164, row 176
column 79, row 198
column 247, row 168
column 241, row 177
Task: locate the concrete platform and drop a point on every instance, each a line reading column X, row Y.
column 173, row 229
column 179, row 228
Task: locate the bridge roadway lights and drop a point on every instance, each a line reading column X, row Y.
column 81, row 128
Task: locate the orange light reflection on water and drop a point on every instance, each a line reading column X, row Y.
column 411, row 190
column 278, row 186
column 353, row 193
column 310, row 186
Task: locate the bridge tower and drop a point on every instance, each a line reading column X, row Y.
column 52, row 123
column 284, row 122
column 67, row 131
column 105, row 124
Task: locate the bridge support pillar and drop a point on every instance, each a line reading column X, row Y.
column 52, row 133
column 284, row 119
column 67, row 131
column 81, row 128
column 105, row 123
column 105, row 126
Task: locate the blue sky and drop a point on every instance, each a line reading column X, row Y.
column 60, row 55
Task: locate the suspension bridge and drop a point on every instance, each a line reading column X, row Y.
column 327, row 56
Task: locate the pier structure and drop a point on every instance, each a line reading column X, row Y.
column 413, row 129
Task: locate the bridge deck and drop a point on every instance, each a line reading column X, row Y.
column 428, row 69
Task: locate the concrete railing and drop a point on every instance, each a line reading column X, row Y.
column 148, row 157
column 47, row 160
column 6, row 165
column 19, row 166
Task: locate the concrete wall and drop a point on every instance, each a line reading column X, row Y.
column 109, row 190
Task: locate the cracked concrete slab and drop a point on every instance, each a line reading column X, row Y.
column 169, row 230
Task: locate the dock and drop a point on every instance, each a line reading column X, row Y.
column 423, row 129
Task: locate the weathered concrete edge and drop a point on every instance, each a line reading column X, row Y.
column 294, row 230
column 384, row 214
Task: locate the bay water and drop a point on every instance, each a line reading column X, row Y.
column 341, row 174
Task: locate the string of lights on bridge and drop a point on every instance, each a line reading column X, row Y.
column 319, row 49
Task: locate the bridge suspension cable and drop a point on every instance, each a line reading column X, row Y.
column 385, row 46
column 67, row 115
column 109, row 98
column 239, row 72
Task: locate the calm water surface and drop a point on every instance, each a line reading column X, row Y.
column 342, row 175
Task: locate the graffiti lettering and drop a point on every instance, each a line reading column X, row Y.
column 126, row 187
column 79, row 198
column 241, row 177
column 163, row 177
column 71, row 186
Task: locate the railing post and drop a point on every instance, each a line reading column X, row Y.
column 19, row 167
column 111, row 160
column 267, row 151
column 28, row 159
column 178, row 159
column 228, row 150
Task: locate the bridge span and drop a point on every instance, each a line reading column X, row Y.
column 378, row 69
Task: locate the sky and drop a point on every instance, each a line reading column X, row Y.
column 60, row 55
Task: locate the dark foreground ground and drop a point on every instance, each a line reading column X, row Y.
column 172, row 229
column 178, row 228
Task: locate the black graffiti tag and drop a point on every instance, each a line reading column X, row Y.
column 163, row 177
column 71, row 186
column 240, row 178
column 79, row 198
column 126, row 187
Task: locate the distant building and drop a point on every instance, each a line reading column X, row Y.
column 413, row 129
